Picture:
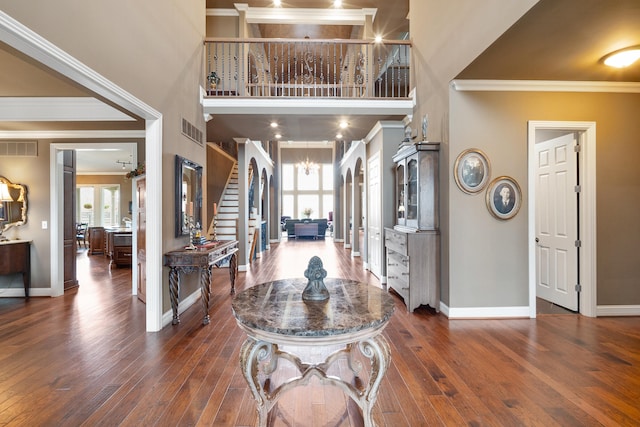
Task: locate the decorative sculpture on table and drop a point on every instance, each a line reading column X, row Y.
column 315, row 289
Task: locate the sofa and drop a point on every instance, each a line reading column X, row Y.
column 290, row 228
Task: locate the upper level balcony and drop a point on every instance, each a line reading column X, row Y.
column 344, row 69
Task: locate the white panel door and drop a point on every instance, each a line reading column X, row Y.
column 556, row 221
column 375, row 223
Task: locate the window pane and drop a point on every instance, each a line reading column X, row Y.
column 308, row 182
column 327, row 177
column 85, row 205
column 287, row 206
column 309, row 201
column 110, row 206
column 287, row 177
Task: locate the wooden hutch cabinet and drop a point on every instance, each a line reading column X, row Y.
column 413, row 244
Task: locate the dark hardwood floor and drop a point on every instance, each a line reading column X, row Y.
column 85, row 359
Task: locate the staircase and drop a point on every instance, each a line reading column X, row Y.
column 227, row 227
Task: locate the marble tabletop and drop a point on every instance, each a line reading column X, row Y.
column 277, row 309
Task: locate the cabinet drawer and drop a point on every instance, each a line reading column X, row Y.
column 397, row 261
column 122, row 240
column 395, row 241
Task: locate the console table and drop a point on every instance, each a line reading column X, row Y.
column 15, row 257
column 273, row 315
column 202, row 259
column 304, row 229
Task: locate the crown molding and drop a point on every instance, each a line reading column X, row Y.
column 320, row 106
column 72, row 134
column 283, row 15
column 222, row 12
column 544, row 86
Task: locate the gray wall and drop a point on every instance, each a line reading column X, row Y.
column 121, row 40
column 488, row 257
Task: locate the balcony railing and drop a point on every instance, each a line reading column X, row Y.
column 335, row 68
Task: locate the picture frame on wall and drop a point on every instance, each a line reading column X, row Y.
column 472, row 171
column 504, row 197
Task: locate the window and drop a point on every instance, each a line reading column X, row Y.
column 301, row 191
column 98, row 205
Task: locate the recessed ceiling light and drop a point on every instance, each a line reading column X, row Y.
column 278, row 136
column 339, row 136
column 378, row 39
column 277, row 3
column 623, row 58
column 344, row 124
column 337, row 3
column 274, row 124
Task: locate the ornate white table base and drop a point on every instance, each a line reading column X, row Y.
column 256, row 353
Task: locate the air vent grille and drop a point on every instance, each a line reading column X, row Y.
column 191, row 131
column 18, row 148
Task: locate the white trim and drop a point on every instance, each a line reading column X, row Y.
column 484, row 312
column 222, row 12
column 31, row 44
column 242, row 268
column 587, row 211
column 544, row 86
column 384, row 124
column 71, row 134
column 319, row 106
column 618, row 310
column 355, row 254
column 58, row 109
column 315, row 16
column 19, row 292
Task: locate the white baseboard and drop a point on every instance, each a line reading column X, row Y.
column 618, row 310
column 347, row 246
column 242, row 267
column 483, row 312
column 383, row 281
column 184, row 303
column 338, row 240
column 355, row 254
column 19, row 292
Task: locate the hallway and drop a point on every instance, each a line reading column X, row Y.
column 85, row 359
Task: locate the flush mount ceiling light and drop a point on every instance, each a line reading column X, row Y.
column 277, row 3
column 274, row 124
column 278, row 136
column 337, row 3
column 622, row 58
column 344, row 124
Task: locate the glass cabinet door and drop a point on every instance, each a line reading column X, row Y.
column 400, row 202
column 412, row 193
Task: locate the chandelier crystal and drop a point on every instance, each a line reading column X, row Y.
column 308, row 166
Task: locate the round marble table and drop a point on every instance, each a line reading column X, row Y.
column 273, row 314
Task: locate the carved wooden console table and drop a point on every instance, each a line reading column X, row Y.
column 202, row 259
column 15, row 257
column 274, row 315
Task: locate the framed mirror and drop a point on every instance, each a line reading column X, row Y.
column 188, row 195
column 13, row 204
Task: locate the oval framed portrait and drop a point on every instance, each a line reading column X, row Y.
column 504, row 197
column 472, row 171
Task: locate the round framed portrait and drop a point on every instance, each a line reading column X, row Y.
column 504, row 197
column 472, row 171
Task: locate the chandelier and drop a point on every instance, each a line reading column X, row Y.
column 308, row 166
